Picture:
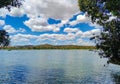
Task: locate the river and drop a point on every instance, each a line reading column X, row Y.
column 56, row 67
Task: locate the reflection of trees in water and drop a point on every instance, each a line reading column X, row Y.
column 116, row 77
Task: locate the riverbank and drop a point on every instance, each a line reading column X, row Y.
column 47, row 46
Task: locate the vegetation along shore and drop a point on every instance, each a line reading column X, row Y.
column 47, row 46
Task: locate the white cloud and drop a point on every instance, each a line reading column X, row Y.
column 55, row 39
column 84, row 42
column 90, row 33
column 71, row 30
column 3, row 12
column 70, row 36
column 85, row 19
column 21, row 30
column 80, row 19
column 26, row 36
column 2, row 22
column 40, row 25
column 9, row 29
column 64, row 39
column 63, row 22
column 40, row 10
column 17, row 12
column 57, row 9
column 79, row 33
column 60, row 37
column 22, row 39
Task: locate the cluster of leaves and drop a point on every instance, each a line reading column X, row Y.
column 9, row 3
column 4, row 38
column 100, row 9
column 108, row 42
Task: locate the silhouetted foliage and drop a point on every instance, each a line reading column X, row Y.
column 9, row 3
column 100, row 11
column 4, row 38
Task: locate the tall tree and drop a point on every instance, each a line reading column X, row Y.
column 101, row 12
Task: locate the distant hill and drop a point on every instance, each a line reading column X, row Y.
column 48, row 46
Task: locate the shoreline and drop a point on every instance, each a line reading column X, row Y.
column 48, row 47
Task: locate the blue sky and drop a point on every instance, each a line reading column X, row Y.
column 44, row 22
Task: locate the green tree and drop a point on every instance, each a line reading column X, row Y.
column 9, row 3
column 4, row 38
column 100, row 12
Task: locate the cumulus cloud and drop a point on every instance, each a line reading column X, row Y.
column 22, row 39
column 70, row 36
column 84, row 42
column 57, row 9
column 90, row 33
column 60, row 37
column 2, row 22
column 85, row 19
column 9, row 29
column 80, row 19
column 3, row 12
column 71, row 30
column 79, row 33
column 55, row 39
column 40, row 25
column 38, row 12
column 12, row 30
column 63, row 22
column 26, row 36
column 21, row 30
column 65, row 39
column 17, row 12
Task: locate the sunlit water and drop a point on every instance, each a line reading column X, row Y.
column 56, row 67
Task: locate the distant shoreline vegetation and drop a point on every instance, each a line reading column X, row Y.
column 47, row 46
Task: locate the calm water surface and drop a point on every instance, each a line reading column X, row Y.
column 56, row 67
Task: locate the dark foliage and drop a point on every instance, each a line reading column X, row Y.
column 100, row 11
column 8, row 3
column 4, row 38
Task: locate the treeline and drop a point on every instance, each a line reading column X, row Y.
column 47, row 46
